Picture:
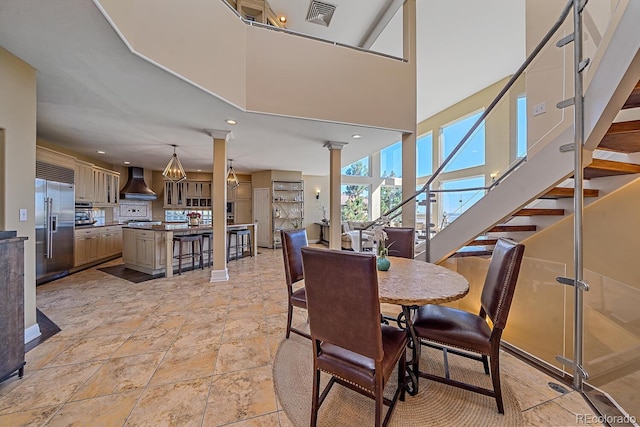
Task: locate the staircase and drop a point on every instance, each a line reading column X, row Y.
column 622, row 138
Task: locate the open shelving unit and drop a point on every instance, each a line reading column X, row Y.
column 287, row 207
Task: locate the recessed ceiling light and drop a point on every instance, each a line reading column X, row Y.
column 356, row 136
column 282, row 19
column 198, row 170
column 126, row 163
column 100, row 152
column 231, row 122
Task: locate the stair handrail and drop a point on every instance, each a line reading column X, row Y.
column 384, row 218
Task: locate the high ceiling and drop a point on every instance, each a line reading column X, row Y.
column 93, row 94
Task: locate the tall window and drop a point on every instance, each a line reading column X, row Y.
column 424, row 155
column 391, row 161
column 390, row 196
column 359, row 168
column 521, row 112
column 472, row 153
column 453, row 204
column 354, row 202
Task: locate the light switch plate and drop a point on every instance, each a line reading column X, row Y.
column 23, row 215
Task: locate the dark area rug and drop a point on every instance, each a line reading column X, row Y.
column 47, row 330
column 134, row 276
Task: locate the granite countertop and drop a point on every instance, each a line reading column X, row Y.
column 106, row 224
column 182, row 226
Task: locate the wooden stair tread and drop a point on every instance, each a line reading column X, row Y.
column 509, row 228
column 600, row 168
column 463, row 252
column 622, row 137
column 566, row 192
column 539, row 212
column 634, row 99
column 483, row 241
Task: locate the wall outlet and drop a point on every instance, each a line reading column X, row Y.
column 540, row 109
column 23, row 215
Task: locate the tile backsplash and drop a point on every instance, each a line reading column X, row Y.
column 133, row 210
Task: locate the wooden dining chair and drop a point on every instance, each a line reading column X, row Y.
column 292, row 242
column 349, row 343
column 401, row 241
column 460, row 329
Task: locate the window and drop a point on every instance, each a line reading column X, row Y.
column 472, row 153
column 390, row 196
column 359, row 168
column 453, row 204
column 391, row 161
column 521, row 126
column 424, row 155
column 354, row 202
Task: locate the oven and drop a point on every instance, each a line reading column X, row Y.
column 84, row 214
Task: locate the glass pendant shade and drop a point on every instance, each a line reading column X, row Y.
column 174, row 170
column 232, row 179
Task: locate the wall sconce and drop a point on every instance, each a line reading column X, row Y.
column 493, row 176
column 317, row 194
column 174, row 170
column 232, row 179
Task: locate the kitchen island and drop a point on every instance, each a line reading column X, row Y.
column 145, row 247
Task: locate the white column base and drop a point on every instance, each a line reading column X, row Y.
column 31, row 333
column 219, row 275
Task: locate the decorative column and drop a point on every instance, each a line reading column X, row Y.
column 409, row 139
column 219, row 272
column 335, row 180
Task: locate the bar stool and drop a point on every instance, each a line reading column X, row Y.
column 209, row 251
column 240, row 244
column 193, row 238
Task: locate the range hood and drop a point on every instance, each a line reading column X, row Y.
column 136, row 188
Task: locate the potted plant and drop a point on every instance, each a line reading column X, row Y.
column 194, row 218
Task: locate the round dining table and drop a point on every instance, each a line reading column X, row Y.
column 411, row 283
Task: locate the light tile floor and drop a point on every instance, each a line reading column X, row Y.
column 186, row 352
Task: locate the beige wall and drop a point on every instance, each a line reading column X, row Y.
column 260, row 70
column 185, row 37
column 312, row 211
column 18, row 171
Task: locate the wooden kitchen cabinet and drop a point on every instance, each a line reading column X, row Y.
column 11, row 305
column 106, row 187
column 187, row 194
column 144, row 250
column 84, row 178
column 94, row 244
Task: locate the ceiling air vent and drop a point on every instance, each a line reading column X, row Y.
column 320, row 12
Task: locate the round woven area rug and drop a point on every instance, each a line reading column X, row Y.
column 435, row 405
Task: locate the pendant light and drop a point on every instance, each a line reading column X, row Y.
column 232, row 179
column 174, row 170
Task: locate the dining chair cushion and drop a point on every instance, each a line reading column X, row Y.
column 360, row 369
column 450, row 326
column 299, row 298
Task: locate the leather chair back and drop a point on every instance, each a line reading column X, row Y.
column 500, row 282
column 403, row 239
column 342, row 300
column 292, row 242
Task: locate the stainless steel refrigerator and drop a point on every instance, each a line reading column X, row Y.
column 55, row 216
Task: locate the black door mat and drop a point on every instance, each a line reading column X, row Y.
column 47, row 330
column 134, row 276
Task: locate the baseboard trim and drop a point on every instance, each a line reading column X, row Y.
column 31, row 333
column 219, row 276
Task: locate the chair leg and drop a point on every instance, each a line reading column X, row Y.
column 314, row 398
column 495, row 378
column 485, row 363
column 289, row 319
column 402, row 374
column 379, row 392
